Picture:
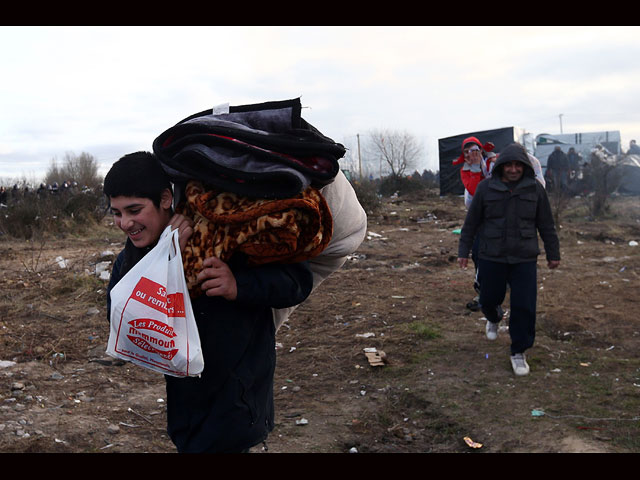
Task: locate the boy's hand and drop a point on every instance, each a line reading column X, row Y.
column 184, row 226
column 463, row 262
column 217, row 280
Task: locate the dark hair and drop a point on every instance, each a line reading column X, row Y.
column 137, row 174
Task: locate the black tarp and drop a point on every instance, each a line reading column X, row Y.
column 450, row 148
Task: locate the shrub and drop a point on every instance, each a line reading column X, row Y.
column 35, row 215
column 401, row 185
column 367, row 193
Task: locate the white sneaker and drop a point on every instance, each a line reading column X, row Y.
column 492, row 330
column 519, row 364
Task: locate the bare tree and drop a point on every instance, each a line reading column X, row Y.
column 53, row 175
column 398, row 151
column 82, row 169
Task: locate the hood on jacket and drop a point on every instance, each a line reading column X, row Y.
column 512, row 152
column 487, row 147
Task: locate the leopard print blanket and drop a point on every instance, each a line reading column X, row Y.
column 266, row 230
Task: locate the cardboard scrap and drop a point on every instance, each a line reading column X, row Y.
column 471, row 443
column 376, row 357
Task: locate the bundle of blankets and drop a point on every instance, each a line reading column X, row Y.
column 265, row 230
column 250, row 177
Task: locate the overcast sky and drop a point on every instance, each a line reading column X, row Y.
column 108, row 91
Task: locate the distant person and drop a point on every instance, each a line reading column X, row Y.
column 574, row 160
column 15, row 195
column 558, row 168
column 473, row 171
column 229, row 407
column 506, row 212
column 474, row 168
column 634, row 149
column 489, row 163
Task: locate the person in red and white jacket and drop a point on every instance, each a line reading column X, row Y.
column 474, row 169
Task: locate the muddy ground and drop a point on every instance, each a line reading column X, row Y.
column 402, row 293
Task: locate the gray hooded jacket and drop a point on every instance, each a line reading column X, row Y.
column 507, row 218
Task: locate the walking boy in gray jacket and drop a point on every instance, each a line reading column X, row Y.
column 507, row 212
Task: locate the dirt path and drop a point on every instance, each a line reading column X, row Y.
column 401, row 294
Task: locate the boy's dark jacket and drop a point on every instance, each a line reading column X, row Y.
column 507, row 220
column 229, row 408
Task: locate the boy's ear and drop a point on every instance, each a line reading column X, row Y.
column 166, row 199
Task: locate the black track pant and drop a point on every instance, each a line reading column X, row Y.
column 522, row 279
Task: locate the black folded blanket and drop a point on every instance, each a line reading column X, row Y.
column 264, row 150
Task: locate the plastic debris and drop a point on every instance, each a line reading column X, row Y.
column 365, row 335
column 62, row 263
column 457, row 231
column 6, row 363
column 103, row 270
column 537, row 413
column 471, row 443
column 302, row 421
column 633, row 243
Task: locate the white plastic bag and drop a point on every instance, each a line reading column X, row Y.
column 152, row 321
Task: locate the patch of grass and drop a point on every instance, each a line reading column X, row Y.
column 423, row 330
column 70, row 283
column 627, row 435
column 422, row 358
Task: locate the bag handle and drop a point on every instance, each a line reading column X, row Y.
column 174, row 249
column 172, row 237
